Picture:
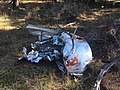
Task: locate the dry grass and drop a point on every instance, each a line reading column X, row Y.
column 5, row 23
column 92, row 24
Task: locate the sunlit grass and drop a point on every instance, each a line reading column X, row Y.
column 6, row 23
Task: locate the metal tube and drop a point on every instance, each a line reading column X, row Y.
column 42, row 29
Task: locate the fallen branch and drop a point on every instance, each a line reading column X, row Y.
column 67, row 25
column 105, row 68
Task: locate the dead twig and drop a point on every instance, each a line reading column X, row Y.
column 113, row 33
column 103, row 71
column 68, row 25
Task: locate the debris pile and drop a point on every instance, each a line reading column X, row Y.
column 70, row 52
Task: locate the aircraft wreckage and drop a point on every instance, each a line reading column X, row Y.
column 70, row 52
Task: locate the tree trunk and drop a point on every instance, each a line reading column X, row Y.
column 15, row 4
column 55, row 1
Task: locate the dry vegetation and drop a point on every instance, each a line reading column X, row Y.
column 94, row 24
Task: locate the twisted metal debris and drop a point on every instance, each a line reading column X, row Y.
column 70, row 52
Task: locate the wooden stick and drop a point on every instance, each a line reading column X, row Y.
column 103, row 71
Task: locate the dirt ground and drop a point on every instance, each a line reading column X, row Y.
column 98, row 25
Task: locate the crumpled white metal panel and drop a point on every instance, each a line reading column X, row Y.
column 79, row 56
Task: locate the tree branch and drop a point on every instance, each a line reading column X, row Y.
column 105, row 68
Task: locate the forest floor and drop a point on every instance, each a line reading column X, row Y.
column 95, row 24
